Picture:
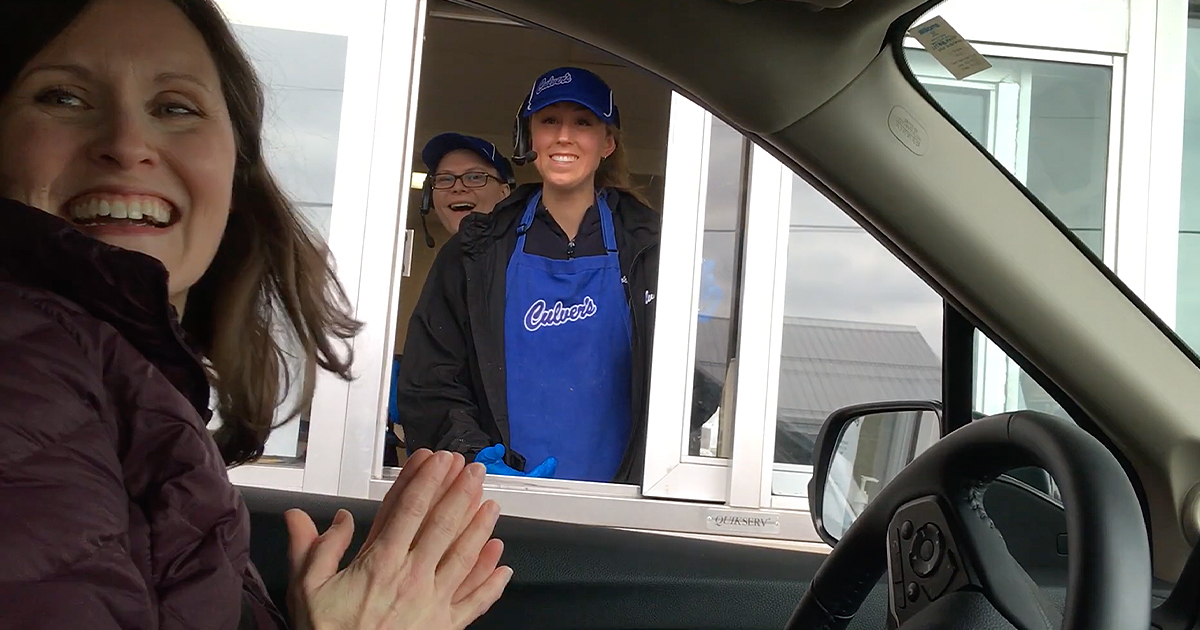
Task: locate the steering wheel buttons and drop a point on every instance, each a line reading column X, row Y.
column 926, row 551
column 896, row 560
column 923, row 561
column 937, row 583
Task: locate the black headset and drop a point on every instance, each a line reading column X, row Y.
column 426, row 206
column 523, row 153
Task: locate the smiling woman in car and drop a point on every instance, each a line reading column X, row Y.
column 531, row 340
column 135, row 194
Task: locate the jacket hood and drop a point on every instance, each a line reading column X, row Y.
column 123, row 288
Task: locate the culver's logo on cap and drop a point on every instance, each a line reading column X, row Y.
column 550, row 82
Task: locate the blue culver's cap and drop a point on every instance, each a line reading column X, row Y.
column 574, row 85
column 440, row 145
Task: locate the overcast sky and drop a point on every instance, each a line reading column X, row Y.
column 838, row 271
column 835, row 269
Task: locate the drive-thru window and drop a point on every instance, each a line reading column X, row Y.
column 765, row 286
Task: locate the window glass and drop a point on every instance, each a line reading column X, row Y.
column 859, row 326
column 1048, row 124
column 716, row 339
column 304, row 75
column 1187, row 305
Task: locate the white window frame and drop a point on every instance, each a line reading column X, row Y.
column 362, row 24
column 1008, row 141
column 1116, row 215
column 760, row 341
column 1152, row 155
column 382, row 245
column 998, row 390
column 670, row 472
column 699, row 487
column 1010, row 105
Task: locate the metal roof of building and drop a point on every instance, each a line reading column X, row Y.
column 829, row 364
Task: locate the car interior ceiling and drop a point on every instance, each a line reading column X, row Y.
column 817, row 88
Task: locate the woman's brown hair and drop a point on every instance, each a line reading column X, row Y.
column 614, row 170
column 271, row 280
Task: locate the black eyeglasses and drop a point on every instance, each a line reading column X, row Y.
column 474, row 179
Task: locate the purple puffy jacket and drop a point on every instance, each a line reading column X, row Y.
column 117, row 510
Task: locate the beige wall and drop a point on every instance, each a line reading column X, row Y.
column 474, row 77
column 422, row 260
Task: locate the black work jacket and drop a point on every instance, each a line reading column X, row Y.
column 452, row 390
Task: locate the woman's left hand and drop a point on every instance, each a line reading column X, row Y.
column 427, row 563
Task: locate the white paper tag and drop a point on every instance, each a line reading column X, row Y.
column 952, row 51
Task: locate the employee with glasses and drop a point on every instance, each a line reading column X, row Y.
column 466, row 174
column 529, row 350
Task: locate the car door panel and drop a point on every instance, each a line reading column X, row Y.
column 579, row 577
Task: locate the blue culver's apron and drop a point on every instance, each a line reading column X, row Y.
column 568, row 358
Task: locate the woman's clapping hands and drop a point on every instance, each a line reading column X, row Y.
column 429, row 561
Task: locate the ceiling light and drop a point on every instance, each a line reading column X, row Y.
column 418, row 181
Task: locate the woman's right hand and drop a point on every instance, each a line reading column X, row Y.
column 428, row 561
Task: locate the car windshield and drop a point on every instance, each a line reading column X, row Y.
column 1077, row 129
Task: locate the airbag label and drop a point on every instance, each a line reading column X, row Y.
column 908, row 131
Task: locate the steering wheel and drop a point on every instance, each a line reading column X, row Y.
column 947, row 565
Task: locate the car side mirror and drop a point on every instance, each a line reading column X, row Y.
column 858, row 451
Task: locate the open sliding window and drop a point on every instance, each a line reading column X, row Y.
column 320, row 65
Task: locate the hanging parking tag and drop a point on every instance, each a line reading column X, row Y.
column 949, row 48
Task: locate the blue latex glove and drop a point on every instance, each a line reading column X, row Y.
column 492, row 458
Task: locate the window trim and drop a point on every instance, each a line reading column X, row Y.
column 958, row 369
column 1117, row 130
column 362, row 25
column 669, row 472
column 273, row 476
column 760, row 331
column 1012, row 101
column 379, row 247
column 1116, row 127
column 1068, row 403
column 1003, row 368
column 1155, row 78
column 523, row 498
column 1112, row 187
column 313, row 16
